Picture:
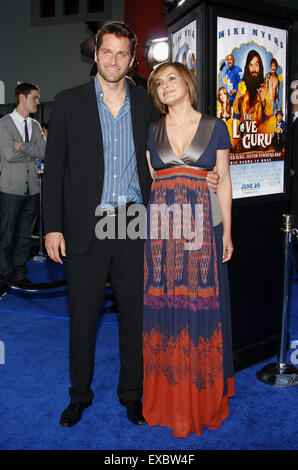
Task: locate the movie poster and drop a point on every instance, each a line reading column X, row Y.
column 184, row 46
column 251, row 100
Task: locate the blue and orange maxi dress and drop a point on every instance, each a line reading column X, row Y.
column 187, row 339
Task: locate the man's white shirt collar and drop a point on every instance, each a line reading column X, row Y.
column 19, row 122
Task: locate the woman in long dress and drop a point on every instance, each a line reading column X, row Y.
column 188, row 364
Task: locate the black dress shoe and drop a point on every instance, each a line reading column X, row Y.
column 3, row 290
column 134, row 411
column 73, row 413
column 24, row 284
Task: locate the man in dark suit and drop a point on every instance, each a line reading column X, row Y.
column 294, row 165
column 96, row 157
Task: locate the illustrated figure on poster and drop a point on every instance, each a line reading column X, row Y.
column 252, row 102
column 278, row 140
column 225, row 111
column 273, row 85
column 188, row 58
column 193, row 65
column 224, row 108
column 253, row 97
column 232, row 77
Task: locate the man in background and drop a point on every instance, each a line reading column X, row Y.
column 294, row 164
column 233, row 77
column 21, row 143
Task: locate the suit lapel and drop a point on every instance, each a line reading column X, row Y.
column 93, row 114
column 135, row 108
column 15, row 129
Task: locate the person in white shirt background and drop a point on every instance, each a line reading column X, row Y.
column 22, row 142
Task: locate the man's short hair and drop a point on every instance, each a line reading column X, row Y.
column 274, row 61
column 24, row 88
column 119, row 29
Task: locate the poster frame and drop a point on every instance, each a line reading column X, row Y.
column 196, row 14
column 256, row 268
column 211, row 38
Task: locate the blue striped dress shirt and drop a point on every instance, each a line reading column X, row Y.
column 121, row 181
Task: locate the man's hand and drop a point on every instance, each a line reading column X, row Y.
column 227, row 248
column 212, row 179
column 55, row 244
column 17, row 145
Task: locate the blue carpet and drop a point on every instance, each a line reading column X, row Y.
column 51, row 303
column 34, row 387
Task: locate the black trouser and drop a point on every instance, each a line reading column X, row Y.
column 86, row 277
column 18, row 217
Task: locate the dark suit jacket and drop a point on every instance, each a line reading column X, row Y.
column 74, row 161
column 294, row 155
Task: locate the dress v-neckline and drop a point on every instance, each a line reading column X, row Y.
column 188, row 145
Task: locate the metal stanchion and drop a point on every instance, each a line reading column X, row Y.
column 41, row 257
column 282, row 374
